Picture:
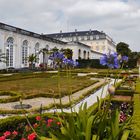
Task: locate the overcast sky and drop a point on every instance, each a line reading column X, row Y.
column 120, row 19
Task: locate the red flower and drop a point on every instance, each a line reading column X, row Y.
column 38, row 118
column 15, row 133
column 48, row 125
column 50, row 120
column 58, row 123
column 35, row 125
column 7, row 133
column 2, row 138
column 23, row 139
column 32, row 136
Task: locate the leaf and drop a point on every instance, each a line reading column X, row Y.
column 125, row 135
column 95, row 137
column 88, row 128
column 44, row 138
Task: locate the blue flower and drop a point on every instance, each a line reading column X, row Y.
column 110, row 60
column 57, row 56
column 70, row 62
column 124, row 58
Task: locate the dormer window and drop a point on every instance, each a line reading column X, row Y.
column 97, row 36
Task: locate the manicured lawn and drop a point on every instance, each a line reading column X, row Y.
column 136, row 115
column 45, row 84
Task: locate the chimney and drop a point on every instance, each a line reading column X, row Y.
column 75, row 30
column 60, row 31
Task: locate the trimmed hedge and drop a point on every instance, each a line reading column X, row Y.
column 51, row 106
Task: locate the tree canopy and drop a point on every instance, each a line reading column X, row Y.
column 123, row 49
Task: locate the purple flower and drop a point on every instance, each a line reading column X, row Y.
column 124, row 58
column 110, row 60
column 56, row 56
column 70, row 62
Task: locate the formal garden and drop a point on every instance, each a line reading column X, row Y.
column 33, row 105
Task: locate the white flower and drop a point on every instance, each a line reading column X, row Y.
column 111, row 89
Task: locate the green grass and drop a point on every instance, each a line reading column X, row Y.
column 38, row 84
column 136, row 115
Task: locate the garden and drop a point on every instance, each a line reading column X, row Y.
column 113, row 117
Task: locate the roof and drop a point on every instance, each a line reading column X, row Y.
column 76, row 33
column 79, row 43
column 96, row 52
column 28, row 33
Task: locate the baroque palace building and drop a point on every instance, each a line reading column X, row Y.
column 17, row 44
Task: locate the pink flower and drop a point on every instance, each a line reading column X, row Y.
column 7, row 133
column 35, row 125
column 38, row 118
column 15, row 133
column 23, row 139
column 2, row 138
column 58, row 123
column 50, row 120
column 32, row 136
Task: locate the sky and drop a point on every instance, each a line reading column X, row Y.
column 120, row 19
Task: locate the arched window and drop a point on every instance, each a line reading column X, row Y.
column 9, row 52
column 47, row 47
column 88, row 55
column 84, row 54
column 24, row 52
column 79, row 54
column 37, row 52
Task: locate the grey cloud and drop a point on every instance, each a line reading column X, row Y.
column 118, row 18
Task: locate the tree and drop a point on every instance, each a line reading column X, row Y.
column 55, row 49
column 133, row 58
column 32, row 59
column 123, row 49
column 68, row 53
column 44, row 51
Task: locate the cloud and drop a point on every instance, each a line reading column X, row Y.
column 118, row 18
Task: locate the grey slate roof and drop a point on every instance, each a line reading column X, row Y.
column 28, row 33
column 76, row 33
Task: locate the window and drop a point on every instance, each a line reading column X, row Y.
column 37, row 52
column 24, row 52
column 88, row 55
column 79, row 54
column 9, row 52
column 84, row 54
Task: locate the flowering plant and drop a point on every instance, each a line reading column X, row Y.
column 99, row 122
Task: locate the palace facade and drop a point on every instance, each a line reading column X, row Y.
column 18, row 44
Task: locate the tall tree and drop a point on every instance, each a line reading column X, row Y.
column 44, row 51
column 32, row 59
column 68, row 53
column 123, row 49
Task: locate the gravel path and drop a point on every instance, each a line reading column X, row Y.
column 37, row 102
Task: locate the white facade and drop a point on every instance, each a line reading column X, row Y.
column 18, row 44
column 18, row 47
column 98, row 41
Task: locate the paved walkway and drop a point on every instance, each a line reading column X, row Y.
column 37, row 102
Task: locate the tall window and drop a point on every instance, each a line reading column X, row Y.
column 79, row 54
column 24, row 52
column 84, row 53
column 88, row 55
column 37, row 52
column 9, row 52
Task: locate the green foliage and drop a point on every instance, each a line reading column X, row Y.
column 67, row 52
column 100, row 125
column 123, row 49
column 90, row 63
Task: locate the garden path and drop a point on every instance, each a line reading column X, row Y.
column 37, row 102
